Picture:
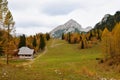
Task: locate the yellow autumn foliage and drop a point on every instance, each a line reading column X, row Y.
column 111, row 42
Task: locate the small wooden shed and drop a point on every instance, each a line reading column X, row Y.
column 25, row 52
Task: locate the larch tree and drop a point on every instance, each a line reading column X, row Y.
column 116, row 36
column 83, row 43
column 81, row 46
column 107, row 43
column 8, row 24
column 111, row 44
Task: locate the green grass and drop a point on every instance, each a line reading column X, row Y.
column 61, row 62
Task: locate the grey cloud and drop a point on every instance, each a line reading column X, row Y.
column 18, row 5
column 21, row 5
column 29, row 24
column 60, row 8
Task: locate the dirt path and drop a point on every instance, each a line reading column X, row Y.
column 43, row 53
column 54, row 45
column 53, row 42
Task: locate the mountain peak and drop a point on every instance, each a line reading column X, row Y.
column 70, row 26
column 71, row 21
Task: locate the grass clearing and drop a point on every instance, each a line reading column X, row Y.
column 60, row 62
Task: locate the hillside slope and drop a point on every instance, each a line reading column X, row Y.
column 62, row 61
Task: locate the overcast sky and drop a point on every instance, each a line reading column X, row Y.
column 34, row 16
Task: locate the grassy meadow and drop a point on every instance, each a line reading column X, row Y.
column 60, row 61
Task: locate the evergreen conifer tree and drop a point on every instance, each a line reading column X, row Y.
column 34, row 43
column 63, row 36
column 42, row 42
column 69, row 37
column 47, row 36
column 22, row 41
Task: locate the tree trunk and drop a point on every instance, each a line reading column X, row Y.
column 7, row 56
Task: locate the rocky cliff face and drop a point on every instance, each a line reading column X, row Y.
column 108, row 21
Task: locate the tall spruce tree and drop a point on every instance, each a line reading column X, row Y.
column 34, row 43
column 42, row 42
column 63, row 36
column 47, row 36
column 22, row 41
column 69, row 37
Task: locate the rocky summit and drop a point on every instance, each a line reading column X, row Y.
column 70, row 26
